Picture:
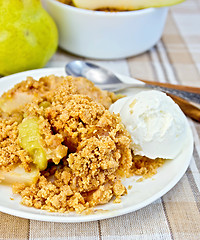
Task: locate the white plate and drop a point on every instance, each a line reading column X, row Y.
column 141, row 194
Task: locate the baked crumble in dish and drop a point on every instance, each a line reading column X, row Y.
column 107, row 9
column 60, row 147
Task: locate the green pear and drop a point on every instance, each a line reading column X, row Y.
column 123, row 4
column 28, row 36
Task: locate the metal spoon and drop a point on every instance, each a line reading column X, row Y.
column 107, row 80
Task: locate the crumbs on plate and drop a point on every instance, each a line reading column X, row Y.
column 60, row 147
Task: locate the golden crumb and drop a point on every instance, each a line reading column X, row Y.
column 73, row 150
column 143, row 166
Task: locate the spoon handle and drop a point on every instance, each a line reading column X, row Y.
column 187, row 95
column 188, row 108
column 174, row 86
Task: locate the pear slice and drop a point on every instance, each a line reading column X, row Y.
column 30, row 140
column 9, row 105
column 123, row 4
column 19, row 175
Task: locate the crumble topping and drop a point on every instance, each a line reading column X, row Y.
column 86, row 148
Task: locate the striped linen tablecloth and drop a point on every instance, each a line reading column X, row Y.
column 175, row 59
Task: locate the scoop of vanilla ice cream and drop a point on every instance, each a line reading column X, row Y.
column 155, row 122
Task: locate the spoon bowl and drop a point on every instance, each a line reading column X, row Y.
column 92, row 72
column 107, row 80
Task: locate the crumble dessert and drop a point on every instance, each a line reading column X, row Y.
column 62, row 149
column 107, row 9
